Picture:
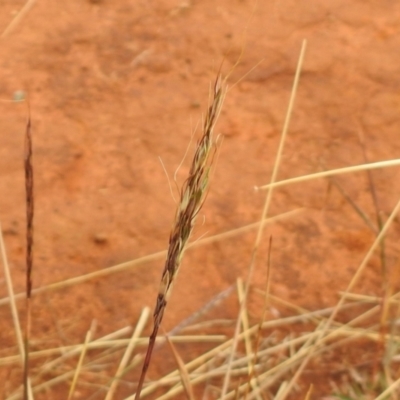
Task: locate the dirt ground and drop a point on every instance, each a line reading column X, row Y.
column 116, row 90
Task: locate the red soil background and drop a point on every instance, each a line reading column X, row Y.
column 115, row 86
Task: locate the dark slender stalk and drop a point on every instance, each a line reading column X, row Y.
column 29, row 248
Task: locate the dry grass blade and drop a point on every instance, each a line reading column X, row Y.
column 245, row 324
column 265, row 210
column 370, row 299
column 281, row 389
column 29, row 248
column 308, row 395
column 264, row 312
column 332, row 172
column 389, row 390
column 151, row 257
column 191, row 201
column 104, row 344
column 24, row 10
column 14, row 311
column 128, row 352
column 10, row 289
column 80, row 362
column 183, row 371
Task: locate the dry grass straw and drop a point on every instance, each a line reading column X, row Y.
column 10, row 289
column 389, row 391
column 14, row 311
column 18, row 18
column 75, row 349
column 332, row 172
column 151, row 257
column 265, row 210
column 128, row 352
column 88, row 337
column 244, row 317
column 185, row 379
column 308, row 395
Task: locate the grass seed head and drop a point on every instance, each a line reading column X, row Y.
column 191, row 200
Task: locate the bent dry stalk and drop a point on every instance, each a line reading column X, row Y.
column 191, row 200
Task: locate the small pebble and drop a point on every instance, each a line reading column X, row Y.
column 19, row 95
column 100, row 238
